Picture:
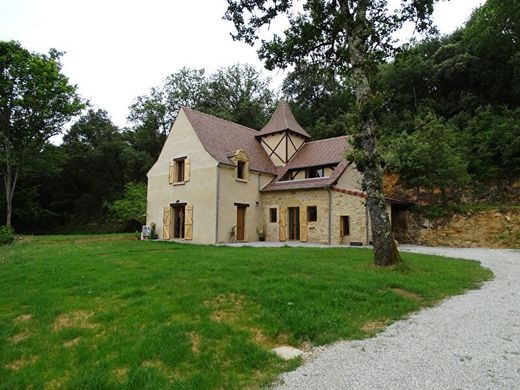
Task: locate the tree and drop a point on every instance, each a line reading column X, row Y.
column 429, row 156
column 95, row 168
column 131, row 208
column 241, row 94
column 353, row 37
column 36, row 100
column 320, row 99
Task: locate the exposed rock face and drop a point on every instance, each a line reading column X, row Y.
column 490, row 229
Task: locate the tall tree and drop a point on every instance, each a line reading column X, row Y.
column 320, row 99
column 241, row 94
column 36, row 100
column 353, row 37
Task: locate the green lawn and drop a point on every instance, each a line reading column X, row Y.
column 106, row 311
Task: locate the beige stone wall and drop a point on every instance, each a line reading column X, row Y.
column 342, row 204
column 200, row 191
column 316, row 231
column 233, row 191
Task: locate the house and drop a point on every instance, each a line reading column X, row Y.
column 216, row 181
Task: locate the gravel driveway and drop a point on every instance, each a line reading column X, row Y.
column 470, row 341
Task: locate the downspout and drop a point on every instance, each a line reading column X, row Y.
column 330, row 214
column 217, row 203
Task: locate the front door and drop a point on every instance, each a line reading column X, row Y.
column 241, row 222
column 294, row 223
column 178, row 221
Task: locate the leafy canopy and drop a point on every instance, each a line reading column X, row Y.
column 322, row 30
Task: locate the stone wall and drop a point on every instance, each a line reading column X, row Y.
column 318, row 232
column 489, row 229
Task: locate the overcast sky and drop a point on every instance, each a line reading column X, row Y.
column 117, row 50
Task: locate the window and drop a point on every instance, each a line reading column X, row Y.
column 313, row 172
column 179, row 168
column 312, row 213
column 241, row 170
column 273, row 215
column 345, row 225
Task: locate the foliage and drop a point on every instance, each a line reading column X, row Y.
column 240, row 94
column 36, row 100
column 428, row 157
column 131, row 208
column 112, row 312
column 320, row 100
column 6, row 235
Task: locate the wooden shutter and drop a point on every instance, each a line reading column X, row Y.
column 166, row 223
column 303, row 224
column 282, row 225
column 187, row 169
column 188, row 223
column 171, row 172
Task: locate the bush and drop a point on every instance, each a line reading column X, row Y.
column 6, row 235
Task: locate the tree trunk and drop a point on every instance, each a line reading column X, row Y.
column 385, row 248
column 10, row 185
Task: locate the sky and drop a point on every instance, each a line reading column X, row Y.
column 116, row 50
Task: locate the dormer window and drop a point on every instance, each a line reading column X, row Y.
column 241, row 168
column 314, row 172
column 242, row 165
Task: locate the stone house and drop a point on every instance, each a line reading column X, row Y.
column 216, row 181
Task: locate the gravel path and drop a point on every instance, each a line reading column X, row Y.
column 470, row 341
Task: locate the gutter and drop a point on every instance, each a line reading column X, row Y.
column 217, row 204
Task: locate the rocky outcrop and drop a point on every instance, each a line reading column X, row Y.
column 489, row 229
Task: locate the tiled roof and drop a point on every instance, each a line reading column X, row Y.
column 277, row 185
column 322, row 152
column 283, row 119
column 222, row 139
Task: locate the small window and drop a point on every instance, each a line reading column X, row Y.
column 180, row 170
column 273, row 215
column 345, row 225
column 241, row 170
column 312, row 213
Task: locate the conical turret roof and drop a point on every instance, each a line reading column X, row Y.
column 282, row 119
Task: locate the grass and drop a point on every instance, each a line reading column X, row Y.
column 107, row 311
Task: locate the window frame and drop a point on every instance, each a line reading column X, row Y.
column 345, row 232
column 241, row 170
column 273, row 215
column 179, row 168
column 309, row 213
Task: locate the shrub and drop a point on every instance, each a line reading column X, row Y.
column 6, row 235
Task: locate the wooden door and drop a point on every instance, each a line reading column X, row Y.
column 294, row 223
column 241, row 222
column 178, row 221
